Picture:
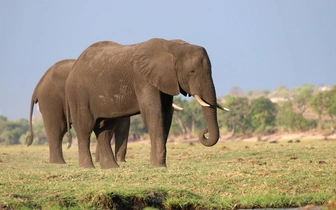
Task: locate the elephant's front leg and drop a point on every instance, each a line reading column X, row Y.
column 157, row 115
column 104, row 135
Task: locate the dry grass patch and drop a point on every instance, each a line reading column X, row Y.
column 228, row 175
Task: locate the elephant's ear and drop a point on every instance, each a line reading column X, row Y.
column 158, row 69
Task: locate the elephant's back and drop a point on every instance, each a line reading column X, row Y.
column 50, row 90
column 96, row 51
column 99, row 62
column 56, row 75
column 59, row 72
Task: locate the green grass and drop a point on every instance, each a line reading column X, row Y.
column 226, row 176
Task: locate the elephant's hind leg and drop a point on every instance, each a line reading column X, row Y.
column 104, row 135
column 84, row 154
column 55, row 128
column 121, row 138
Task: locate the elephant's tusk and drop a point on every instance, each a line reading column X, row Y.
column 222, row 108
column 177, row 108
column 200, row 101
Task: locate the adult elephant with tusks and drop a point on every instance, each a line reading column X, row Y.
column 109, row 81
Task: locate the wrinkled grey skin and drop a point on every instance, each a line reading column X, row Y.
column 109, row 81
column 50, row 94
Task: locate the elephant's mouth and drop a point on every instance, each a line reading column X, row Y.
column 183, row 92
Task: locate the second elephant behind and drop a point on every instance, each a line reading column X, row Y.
column 49, row 93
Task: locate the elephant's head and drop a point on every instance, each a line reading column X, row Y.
column 178, row 67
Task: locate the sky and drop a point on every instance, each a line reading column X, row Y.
column 252, row 44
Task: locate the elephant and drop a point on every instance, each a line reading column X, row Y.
column 50, row 94
column 109, row 81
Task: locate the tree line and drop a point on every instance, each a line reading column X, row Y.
column 255, row 113
column 302, row 109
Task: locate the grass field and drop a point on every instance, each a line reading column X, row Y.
column 226, row 176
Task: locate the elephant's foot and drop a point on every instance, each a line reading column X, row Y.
column 121, row 159
column 85, row 162
column 159, row 163
column 59, row 160
column 86, row 165
column 56, row 154
column 108, row 164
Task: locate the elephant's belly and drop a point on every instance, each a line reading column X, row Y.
column 114, row 106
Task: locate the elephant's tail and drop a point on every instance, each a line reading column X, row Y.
column 30, row 137
column 67, row 115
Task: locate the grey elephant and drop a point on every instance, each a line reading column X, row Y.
column 109, row 81
column 50, row 94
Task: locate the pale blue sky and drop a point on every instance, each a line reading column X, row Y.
column 252, row 44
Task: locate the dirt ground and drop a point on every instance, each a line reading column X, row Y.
column 293, row 137
column 269, row 138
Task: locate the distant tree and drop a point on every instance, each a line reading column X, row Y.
column 324, row 103
column 285, row 116
column 137, row 127
column 262, row 116
column 306, row 124
column 317, row 104
column 2, row 120
column 289, row 120
column 183, row 122
column 304, row 87
column 3, row 135
column 257, row 93
column 265, row 92
column 235, row 119
column 11, row 130
column 40, row 136
column 302, row 97
column 254, row 94
column 281, row 91
column 329, row 103
column 237, row 92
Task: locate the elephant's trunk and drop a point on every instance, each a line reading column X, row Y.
column 210, row 114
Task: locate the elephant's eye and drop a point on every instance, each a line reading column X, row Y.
column 192, row 71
